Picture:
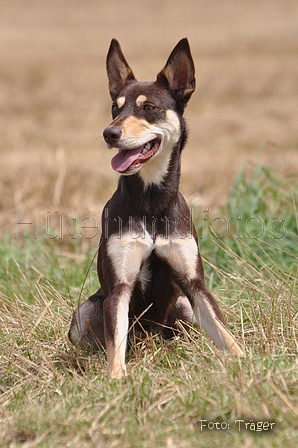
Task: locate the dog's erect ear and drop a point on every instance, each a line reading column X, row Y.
column 179, row 73
column 118, row 69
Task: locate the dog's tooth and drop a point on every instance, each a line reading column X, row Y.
column 147, row 147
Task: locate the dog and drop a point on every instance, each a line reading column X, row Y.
column 149, row 266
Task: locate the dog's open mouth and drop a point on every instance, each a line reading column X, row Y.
column 128, row 160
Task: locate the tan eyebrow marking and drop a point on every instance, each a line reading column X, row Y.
column 140, row 100
column 120, row 101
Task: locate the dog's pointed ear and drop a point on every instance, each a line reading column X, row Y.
column 179, row 73
column 118, row 69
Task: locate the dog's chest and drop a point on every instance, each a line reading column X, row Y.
column 131, row 255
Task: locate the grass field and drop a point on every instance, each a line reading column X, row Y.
column 53, row 395
column 54, row 105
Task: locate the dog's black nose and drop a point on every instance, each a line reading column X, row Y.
column 111, row 135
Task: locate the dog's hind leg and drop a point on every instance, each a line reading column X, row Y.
column 87, row 323
column 209, row 317
column 202, row 310
column 183, row 257
column 181, row 311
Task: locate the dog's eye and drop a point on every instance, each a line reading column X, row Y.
column 115, row 108
column 148, row 108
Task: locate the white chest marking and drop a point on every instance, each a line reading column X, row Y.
column 130, row 252
column 180, row 253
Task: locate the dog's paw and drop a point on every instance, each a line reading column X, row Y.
column 117, row 372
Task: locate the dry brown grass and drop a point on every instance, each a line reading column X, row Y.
column 54, row 101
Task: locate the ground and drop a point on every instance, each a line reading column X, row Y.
column 54, row 99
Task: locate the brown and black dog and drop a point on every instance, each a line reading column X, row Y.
column 148, row 256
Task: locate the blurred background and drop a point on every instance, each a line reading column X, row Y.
column 55, row 104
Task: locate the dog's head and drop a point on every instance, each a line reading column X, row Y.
column 147, row 116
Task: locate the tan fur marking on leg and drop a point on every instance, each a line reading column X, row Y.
column 206, row 318
column 116, row 351
column 230, row 342
column 116, row 369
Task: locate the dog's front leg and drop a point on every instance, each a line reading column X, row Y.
column 126, row 256
column 115, row 309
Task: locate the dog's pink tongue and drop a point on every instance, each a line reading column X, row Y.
column 121, row 161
